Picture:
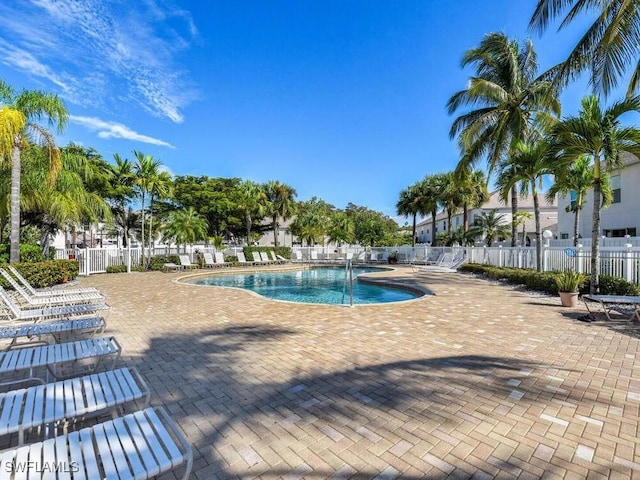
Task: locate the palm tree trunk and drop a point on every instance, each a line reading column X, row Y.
column 413, row 232
column 514, row 211
column 595, row 231
column 536, row 214
column 465, row 220
column 142, row 232
column 433, row 227
column 14, row 250
column 576, row 226
column 150, row 225
column 275, row 232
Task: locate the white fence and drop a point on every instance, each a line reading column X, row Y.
column 615, row 261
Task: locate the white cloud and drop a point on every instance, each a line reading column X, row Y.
column 97, row 52
column 115, row 130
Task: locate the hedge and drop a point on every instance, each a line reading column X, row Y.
column 47, row 273
column 545, row 281
column 28, row 253
column 284, row 252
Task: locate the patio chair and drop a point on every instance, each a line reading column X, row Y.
column 265, row 258
column 314, row 256
column 275, row 259
column 15, row 312
column 48, row 292
column 88, row 354
column 139, row 445
column 209, row 261
column 449, row 262
column 296, row 256
column 171, row 267
column 219, row 257
column 242, row 260
column 257, row 259
column 67, row 299
column 185, row 261
column 373, row 258
column 282, row 259
column 58, row 403
column 58, row 329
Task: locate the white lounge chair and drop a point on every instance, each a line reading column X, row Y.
column 242, row 260
column 13, row 311
column 448, row 262
column 373, row 258
column 276, row 258
column 83, row 397
column 220, row 262
column 209, row 261
column 257, row 259
column 139, row 446
column 265, row 258
column 185, row 262
column 34, row 332
column 296, row 256
column 68, row 299
column 314, row 256
column 48, row 292
column 54, row 357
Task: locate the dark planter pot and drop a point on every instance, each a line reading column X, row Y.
column 393, row 261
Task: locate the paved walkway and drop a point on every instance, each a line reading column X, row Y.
column 477, row 381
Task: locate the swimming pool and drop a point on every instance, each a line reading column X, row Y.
column 316, row 285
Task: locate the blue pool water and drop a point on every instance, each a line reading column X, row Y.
column 317, row 285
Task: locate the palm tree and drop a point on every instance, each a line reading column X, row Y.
column 521, row 219
column 598, row 134
column 185, row 227
column 341, row 228
column 492, row 226
column 160, row 187
column 507, row 102
column 432, row 187
column 251, row 202
column 610, row 46
column 412, row 202
column 450, row 198
column 526, row 168
column 472, row 190
column 121, row 178
column 282, row 204
column 576, row 179
column 146, row 171
column 23, row 110
column 68, row 200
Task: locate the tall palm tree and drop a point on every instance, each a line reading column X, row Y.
column 506, row 101
column 281, row 204
column 341, row 228
column 25, row 109
column 121, row 178
column 527, row 168
column 598, row 134
column 160, row 188
column 576, row 179
column 251, row 202
column 432, row 187
column 609, row 48
column 472, row 190
column 146, row 171
column 450, row 198
column 413, row 202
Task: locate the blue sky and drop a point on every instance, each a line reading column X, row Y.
column 341, row 99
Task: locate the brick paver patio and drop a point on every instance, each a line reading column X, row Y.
column 477, row 381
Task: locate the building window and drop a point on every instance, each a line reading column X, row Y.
column 444, row 226
column 615, row 188
column 573, row 196
column 564, row 236
column 620, row 232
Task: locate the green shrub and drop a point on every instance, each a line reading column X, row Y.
column 569, row 281
column 48, row 273
column 156, row 263
column 546, row 281
column 116, row 268
column 28, row 253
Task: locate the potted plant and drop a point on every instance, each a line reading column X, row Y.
column 568, row 282
column 393, row 258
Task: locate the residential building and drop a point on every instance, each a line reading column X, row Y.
column 620, row 218
column 548, row 218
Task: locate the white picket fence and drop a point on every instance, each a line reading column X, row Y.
column 615, row 261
